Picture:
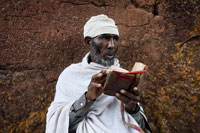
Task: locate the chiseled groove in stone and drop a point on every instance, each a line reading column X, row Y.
column 88, row 3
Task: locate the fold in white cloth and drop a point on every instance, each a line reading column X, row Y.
column 104, row 115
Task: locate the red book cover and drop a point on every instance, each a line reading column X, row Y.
column 116, row 81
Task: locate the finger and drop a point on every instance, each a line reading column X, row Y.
column 103, row 71
column 95, row 85
column 99, row 75
column 136, row 91
column 130, row 95
column 128, row 103
column 103, row 76
column 123, row 98
column 96, row 77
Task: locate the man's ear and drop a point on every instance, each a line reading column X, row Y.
column 88, row 40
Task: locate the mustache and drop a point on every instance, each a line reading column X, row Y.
column 109, row 52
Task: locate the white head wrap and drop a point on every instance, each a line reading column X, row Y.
column 100, row 24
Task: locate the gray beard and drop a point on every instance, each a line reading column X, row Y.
column 100, row 60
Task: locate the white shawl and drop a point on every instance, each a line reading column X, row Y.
column 104, row 115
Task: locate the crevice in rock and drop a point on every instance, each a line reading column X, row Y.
column 51, row 81
column 134, row 3
column 155, row 9
column 193, row 38
column 73, row 3
column 101, row 4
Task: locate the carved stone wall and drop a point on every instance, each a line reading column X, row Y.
column 39, row 38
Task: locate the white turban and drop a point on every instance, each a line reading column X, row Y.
column 100, row 24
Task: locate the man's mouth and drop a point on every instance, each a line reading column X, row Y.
column 109, row 56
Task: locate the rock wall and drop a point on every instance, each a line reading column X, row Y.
column 39, row 38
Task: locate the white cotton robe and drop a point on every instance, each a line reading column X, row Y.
column 104, row 115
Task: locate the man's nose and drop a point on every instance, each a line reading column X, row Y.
column 111, row 43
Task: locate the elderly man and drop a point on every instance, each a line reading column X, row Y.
column 80, row 105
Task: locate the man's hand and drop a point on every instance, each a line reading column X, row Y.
column 129, row 99
column 95, row 88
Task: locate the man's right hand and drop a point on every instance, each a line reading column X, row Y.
column 95, row 88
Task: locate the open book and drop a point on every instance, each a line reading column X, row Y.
column 119, row 78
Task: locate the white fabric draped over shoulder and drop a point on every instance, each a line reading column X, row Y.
column 104, row 115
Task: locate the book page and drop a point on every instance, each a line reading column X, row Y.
column 115, row 68
column 138, row 67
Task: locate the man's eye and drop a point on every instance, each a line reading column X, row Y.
column 116, row 38
column 105, row 38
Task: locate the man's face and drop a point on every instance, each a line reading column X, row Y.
column 104, row 48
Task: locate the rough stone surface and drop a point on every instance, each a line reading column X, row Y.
column 39, row 38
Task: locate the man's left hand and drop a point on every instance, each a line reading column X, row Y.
column 129, row 99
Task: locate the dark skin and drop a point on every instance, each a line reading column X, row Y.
column 95, row 88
